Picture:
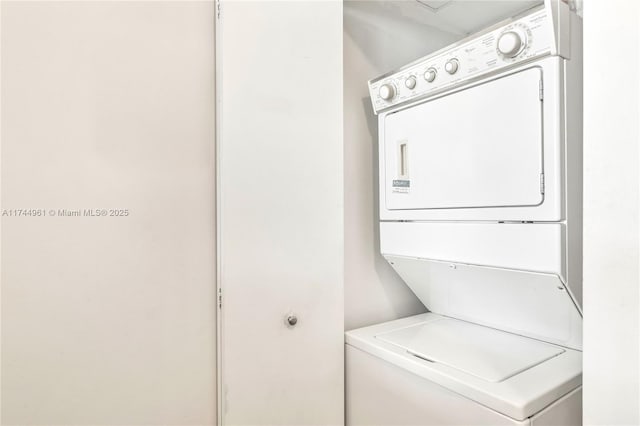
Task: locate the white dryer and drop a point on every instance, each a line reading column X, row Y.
column 480, row 150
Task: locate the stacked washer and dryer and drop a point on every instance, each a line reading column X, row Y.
column 481, row 215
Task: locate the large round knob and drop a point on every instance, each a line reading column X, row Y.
column 430, row 74
column 387, row 91
column 451, row 66
column 410, row 82
column 511, row 43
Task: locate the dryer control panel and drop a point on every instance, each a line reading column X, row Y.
column 521, row 40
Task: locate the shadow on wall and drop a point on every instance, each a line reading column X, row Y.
column 388, row 37
column 382, row 267
column 373, row 291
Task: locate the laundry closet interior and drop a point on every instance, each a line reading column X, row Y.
column 477, row 167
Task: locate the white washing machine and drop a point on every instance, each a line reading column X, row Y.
column 480, row 214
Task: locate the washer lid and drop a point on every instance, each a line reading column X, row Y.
column 483, row 352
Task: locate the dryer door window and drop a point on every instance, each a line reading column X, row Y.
column 478, row 147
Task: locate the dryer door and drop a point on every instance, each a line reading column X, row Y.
column 478, row 147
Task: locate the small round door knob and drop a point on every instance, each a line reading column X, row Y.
column 292, row 320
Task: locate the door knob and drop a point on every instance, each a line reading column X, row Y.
column 292, row 320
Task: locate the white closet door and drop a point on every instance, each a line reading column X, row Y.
column 478, row 147
column 280, row 213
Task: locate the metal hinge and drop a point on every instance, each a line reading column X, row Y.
column 218, row 9
column 220, row 298
column 541, row 90
column 542, row 183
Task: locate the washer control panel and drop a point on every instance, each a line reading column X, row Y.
column 521, row 40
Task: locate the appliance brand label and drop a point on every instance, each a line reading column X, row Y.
column 401, row 186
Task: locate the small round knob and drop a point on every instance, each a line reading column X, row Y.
column 410, row 82
column 430, row 74
column 451, row 66
column 510, row 44
column 387, row 91
column 292, row 320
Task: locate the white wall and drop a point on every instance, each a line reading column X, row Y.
column 611, row 212
column 110, row 320
column 373, row 45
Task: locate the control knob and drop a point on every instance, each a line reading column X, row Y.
column 410, row 82
column 451, row 66
column 387, row 91
column 511, row 43
column 430, row 74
